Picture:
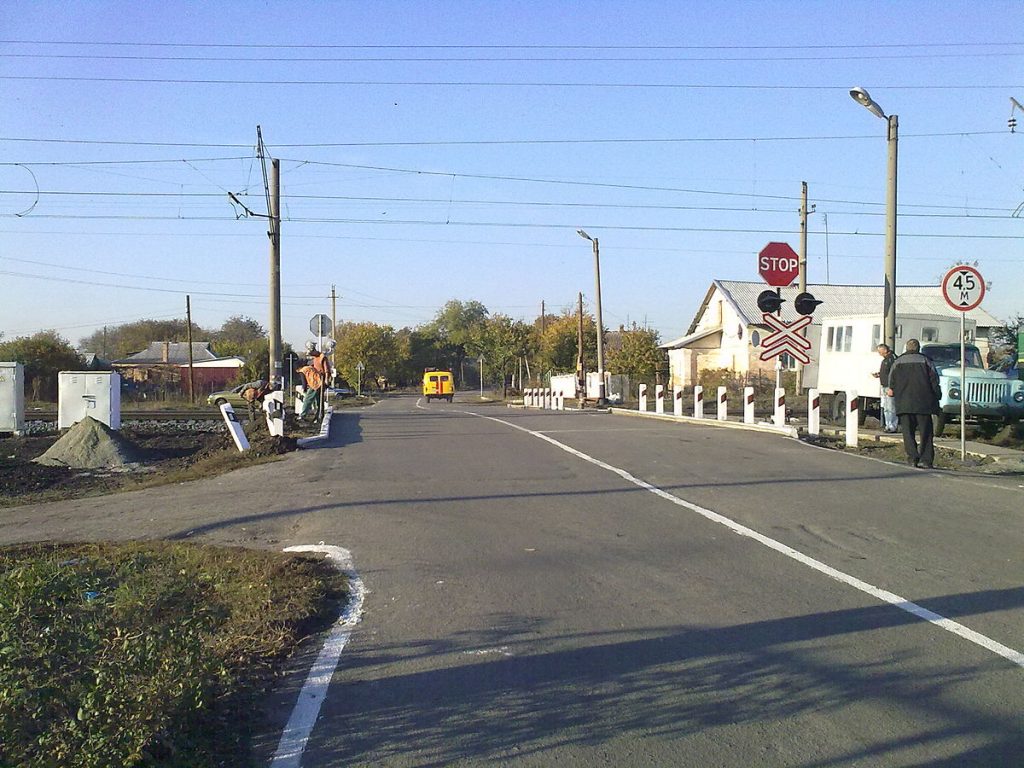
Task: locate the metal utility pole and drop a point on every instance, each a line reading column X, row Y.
column 188, row 335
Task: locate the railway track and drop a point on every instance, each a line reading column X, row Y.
column 137, row 415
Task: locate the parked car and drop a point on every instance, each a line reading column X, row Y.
column 343, row 390
column 233, row 396
column 987, row 394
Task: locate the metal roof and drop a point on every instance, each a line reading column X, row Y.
column 176, row 354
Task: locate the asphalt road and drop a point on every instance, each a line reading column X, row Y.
column 582, row 589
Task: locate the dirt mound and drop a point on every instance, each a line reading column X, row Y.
column 262, row 444
column 90, row 444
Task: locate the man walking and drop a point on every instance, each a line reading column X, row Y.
column 914, row 387
column 888, row 409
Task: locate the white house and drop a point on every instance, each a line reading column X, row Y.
column 727, row 329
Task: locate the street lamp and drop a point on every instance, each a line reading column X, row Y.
column 863, row 98
column 601, row 402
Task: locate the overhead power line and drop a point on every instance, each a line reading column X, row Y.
column 569, row 47
column 495, row 84
column 482, row 142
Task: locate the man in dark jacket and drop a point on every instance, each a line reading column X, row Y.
column 914, row 387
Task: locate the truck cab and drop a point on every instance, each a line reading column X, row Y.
column 986, row 394
column 438, row 385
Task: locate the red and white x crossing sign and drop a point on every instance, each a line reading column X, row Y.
column 786, row 338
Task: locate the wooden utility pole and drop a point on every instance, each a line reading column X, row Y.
column 542, row 318
column 581, row 376
column 188, row 334
column 334, row 329
column 802, row 276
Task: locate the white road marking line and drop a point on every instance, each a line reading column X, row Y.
column 300, row 725
column 1011, row 655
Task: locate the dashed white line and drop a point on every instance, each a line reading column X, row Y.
column 1011, row 655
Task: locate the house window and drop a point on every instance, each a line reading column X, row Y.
column 848, row 338
column 899, row 330
column 788, row 361
column 831, row 337
column 876, row 337
column 929, row 334
column 755, row 338
column 840, row 335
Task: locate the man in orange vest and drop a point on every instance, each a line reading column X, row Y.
column 316, row 372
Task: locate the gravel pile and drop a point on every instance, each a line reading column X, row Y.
column 90, row 444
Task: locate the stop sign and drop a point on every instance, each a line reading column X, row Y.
column 778, row 264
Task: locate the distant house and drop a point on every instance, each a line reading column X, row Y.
column 163, row 365
column 727, row 329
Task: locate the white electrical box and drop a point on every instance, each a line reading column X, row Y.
column 12, row 397
column 88, row 393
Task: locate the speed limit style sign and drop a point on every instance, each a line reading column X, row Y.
column 963, row 288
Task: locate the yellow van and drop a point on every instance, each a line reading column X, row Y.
column 439, row 384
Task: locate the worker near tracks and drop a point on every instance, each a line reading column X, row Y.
column 253, row 393
column 914, row 387
column 889, row 422
column 316, row 373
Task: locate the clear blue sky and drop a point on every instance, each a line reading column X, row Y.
column 440, row 150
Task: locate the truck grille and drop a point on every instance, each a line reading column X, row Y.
column 988, row 391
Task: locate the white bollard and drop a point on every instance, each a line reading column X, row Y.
column 547, row 399
column 748, row 405
column 698, row 402
column 659, row 398
column 677, row 401
column 642, row 398
column 813, row 412
column 561, row 401
column 528, row 399
column 723, row 404
column 851, row 419
column 273, row 406
column 780, row 407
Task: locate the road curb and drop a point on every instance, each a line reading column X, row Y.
column 325, row 431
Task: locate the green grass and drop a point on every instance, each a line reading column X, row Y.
column 152, row 654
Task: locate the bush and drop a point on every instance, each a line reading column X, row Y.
column 142, row 653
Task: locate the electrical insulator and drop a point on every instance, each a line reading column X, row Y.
column 1012, row 122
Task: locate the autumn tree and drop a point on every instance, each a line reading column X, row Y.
column 558, row 346
column 456, row 326
column 378, row 347
column 501, row 341
column 636, row 354
column 44, row 355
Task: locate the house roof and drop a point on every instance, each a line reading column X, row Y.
column 685, row 341
column 839, row 301
column 169, row 353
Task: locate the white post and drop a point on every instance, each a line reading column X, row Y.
column 659, row 398
column 748, row 405
column 560, row 406
column 527, row 397
column 780, row 407
column 547, row 398
column 698, row 402
column 851, row 419
column 642, row 397
column 273, row 405
column 677, row 401
column 723, row 404
column 813, row 412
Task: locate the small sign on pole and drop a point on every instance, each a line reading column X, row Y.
column 963, row 288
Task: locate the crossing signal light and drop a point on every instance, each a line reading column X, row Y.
column 805, row 303
column 769, row 301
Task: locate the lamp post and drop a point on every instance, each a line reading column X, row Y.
column 601, row 402
column 863, row 98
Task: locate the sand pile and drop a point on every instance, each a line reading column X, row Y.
column 90, row 444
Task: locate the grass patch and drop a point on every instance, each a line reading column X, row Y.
column 151, row 654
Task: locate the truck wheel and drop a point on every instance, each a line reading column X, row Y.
column 219, row 402
column 862, row 411
column 941, row 420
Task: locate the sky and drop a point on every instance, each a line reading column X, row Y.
column 432, row 151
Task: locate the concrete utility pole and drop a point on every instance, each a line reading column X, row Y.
column 581, row 374
column 275, row 270
column 191, row 377
column 601, row 401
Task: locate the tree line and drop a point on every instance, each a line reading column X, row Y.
column 455, row 339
